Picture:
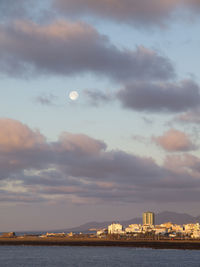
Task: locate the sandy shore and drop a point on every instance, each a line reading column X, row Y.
column 52, row 241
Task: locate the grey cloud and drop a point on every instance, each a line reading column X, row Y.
column 193, row 4
column 29, row 9
column 77, row 166
column 191, row 116
column 14, row 163
column 46, row 100
column 9, row 8
column 141, row 139
column 20, row 197
column 163, row 97
column 114, row 166
column 172, row 195
column 166, row 191
column 134, row 12
column 49, row 178
column 147, row 120
column 183, row 162
column 64, row 48
column 97, row 97
column 127, row 11
column 156, row 96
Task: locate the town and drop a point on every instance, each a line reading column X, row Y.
column 150, row 230
column 116, row 231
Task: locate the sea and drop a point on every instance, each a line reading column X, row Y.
column 59, row 256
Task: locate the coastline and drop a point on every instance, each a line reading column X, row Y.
column 154, row 244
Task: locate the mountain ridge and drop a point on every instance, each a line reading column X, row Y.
column 162, row 217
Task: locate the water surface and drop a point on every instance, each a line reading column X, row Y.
column 33, row 256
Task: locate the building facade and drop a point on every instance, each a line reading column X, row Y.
column 148, row 218
column 115, row 228
column 134, row 228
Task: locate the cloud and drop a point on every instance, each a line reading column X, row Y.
column 163, row 97
column 192, row 116
column 80, row 143
column 79, row 168
column 19, row 197
column 27, row 9
column 141, row 139
column 96, row 97
column 15, row 136
column 65, row 48
column 8, row 8
column 21, row 148
column 193, row 4
column 134, row 12
column 182, row 163
column 46, row 99
column 175, row 140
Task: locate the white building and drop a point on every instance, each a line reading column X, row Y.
column 160, row 230
column 191, row 227
column 147, row 228
column 101, row 231
column 196, row 234
column 115, row 228
column 134, row 228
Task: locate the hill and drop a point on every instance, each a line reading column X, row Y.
column 166, row 216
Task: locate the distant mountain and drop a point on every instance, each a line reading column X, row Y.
column 162, row 217
column 178, row 218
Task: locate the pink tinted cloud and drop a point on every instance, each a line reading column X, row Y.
column 191, row 116
column 82, row 167
column 182, row 163
column 81, row 143
column 128, row 11
column 143, row 13
column 66, row 48
column 15, row 135
column 174, row 140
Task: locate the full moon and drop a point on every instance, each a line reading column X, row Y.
column 73, row 95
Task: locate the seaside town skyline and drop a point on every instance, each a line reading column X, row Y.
column 149, row 229
column 99, row 110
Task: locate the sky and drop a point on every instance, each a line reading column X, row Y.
column 130, row 142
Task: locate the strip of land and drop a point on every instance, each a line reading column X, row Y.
column 52, row 241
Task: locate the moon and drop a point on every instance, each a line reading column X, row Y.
column 73, row 95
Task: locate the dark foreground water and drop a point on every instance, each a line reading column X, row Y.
column 32, row 256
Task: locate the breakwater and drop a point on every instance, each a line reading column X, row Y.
column 155, row 244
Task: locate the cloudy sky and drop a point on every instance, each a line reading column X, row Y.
column 130, row 142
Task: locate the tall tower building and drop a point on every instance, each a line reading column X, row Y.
column 148, row 218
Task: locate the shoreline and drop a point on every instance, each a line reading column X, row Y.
column 154, row 244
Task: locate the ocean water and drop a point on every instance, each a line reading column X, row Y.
column 33, row 256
